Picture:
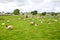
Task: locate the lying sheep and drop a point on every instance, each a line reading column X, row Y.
column 32, row 23
column 9, row 27
column 36, row 25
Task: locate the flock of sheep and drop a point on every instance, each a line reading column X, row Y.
column 10, row 27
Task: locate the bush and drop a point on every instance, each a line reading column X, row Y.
column 43, row 13
column 34, row 12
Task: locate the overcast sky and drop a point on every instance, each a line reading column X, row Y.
column 30, row 5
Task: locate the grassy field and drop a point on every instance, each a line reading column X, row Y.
column 22, row 30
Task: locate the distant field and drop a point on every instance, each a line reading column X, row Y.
column 22, row 30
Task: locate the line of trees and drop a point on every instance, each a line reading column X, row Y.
column 17, row 12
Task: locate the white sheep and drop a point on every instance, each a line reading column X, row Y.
column 32, row 23
column 36, row 25
column 9, row 27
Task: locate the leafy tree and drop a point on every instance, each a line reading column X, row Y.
column 16, row 11
column 52, row 13
column 34, row 12
column 56, row 14
column 43, row 13
column 8, row 13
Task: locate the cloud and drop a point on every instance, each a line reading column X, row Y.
column 5, row 1
column 57, row 9
column 29, row 5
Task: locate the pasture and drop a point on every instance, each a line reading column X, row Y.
column 48, row 28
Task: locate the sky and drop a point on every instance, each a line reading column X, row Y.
column 30, row 5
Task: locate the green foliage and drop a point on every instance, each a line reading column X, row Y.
column 56, row 14
column 43, row 13
column 8, row 13
column 16, row 11
column 52, row 14
column 34, row 12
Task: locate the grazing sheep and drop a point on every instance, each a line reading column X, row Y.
column 3, row 24
column 32, row 23
column 9, row 27
column 36, row 25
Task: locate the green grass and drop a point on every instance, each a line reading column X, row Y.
column 22, row 30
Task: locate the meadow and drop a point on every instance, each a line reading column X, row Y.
column 22, row 30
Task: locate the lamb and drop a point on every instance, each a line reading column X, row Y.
column 9, row 27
